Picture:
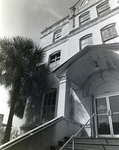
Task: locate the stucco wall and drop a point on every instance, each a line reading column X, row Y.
column 48, row 39
column 70, row 45
column 63, row 47
column 106, row 88
column 74, row 46
column 48, row 137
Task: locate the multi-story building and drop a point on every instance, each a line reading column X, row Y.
column 82, row 53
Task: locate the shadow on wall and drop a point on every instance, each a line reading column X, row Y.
column 79, row 112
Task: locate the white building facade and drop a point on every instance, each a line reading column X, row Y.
column 82, row 53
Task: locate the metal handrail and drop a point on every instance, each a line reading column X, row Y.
column 30, row 133
column 74, row 136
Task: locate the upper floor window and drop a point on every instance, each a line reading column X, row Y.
column 49, row 106
column 54, row 61
column 109, row 32
column 57, row 35
column 103, row 8
column 85, row 41
column 84, row 18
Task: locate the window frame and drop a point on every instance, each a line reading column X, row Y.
column 54, row 54
column 47, row 107
column 107, row 27
column 58, row 34
column 85, row 20
column 85, row 37
column 102, row 4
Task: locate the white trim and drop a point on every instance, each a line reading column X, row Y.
column 106, row 95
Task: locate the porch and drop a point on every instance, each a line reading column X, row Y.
column 89, row 83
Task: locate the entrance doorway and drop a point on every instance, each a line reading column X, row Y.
column 107, row 116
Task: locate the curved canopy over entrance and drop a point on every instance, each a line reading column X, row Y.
column 92, row 65
column 93, row 71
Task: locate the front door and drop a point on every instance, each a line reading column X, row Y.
column 107, row 115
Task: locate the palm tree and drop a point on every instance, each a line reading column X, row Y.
column 23, row 72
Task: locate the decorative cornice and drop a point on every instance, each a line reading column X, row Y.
column 82, row 28
column 55, row 26
column 94, row 22
column 85, row 7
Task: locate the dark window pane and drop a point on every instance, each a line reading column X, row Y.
column 49, row 102
column 53, row 101
column 54, row 94
column 115, row 121
column 103, row 124
column 49, row 106
column 50, row 95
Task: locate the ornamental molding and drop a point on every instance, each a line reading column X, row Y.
column 56, row 26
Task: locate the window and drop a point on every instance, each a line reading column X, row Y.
column 103, row 8
column 49, row 106
column 57, row 35
column 109, row 32
column 54, row 60
column 86, row 40
column 84, row 18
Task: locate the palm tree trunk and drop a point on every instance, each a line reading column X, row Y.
column 9, row 122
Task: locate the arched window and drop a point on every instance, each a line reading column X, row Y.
column 49, row 103
column 54, row 60
column 109, row 32
column 84, row 18
column 103, row 8
column 85, row 41
column 57, row 35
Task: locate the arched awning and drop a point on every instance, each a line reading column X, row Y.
column 93, row 64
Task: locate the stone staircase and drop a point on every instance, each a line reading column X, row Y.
column 90, row 144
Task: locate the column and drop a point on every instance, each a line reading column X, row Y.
column 63, row 95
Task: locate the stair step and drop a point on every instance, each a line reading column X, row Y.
column 66, row 138
column 91, row 143
column 76, row 149
column 98, row 140
column 93, row 146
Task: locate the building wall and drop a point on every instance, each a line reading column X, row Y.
column 74, row 44
column 48, row 137
column 106, row 88
column 47, row 38
column 69, row 44
column 69, row 41
column 63, row 47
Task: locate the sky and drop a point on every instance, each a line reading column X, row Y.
column 28, row 18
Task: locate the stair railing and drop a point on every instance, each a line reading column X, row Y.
column 30, row 133
column 74, row 136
